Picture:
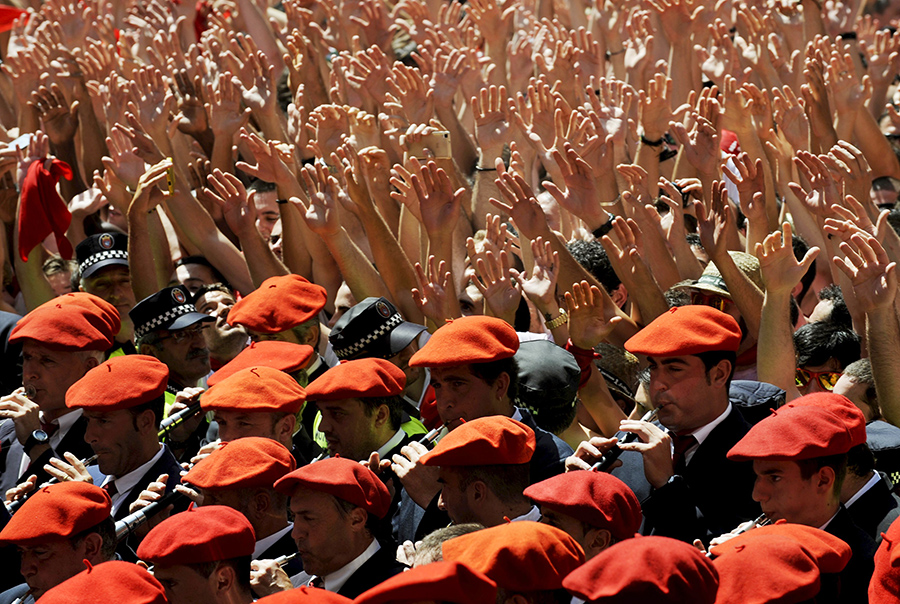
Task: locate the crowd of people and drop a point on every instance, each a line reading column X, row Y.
column 512, row 301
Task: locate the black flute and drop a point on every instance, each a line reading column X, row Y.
column 129, row 523
column 624, row 437
column 176, row 419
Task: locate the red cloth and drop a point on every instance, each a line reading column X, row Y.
column 486, row 441
column 815, row 425
column 360, row 378
column 245, row 463
column 206, row 534
column 57, row 512
column 428, row 409
column 477, row 339
column 279, row 304
column 885, row 585
column 343, row 478
column 283, row 356
column 119, row 383
column 75, row 321
column 585, row 360
column 41, row 210
column 118, row 581
column 519, row 556
column 596, row 498
column 646, row 569
column 255, row 389
column 686, row 330
column 201, row 17
column 304, row 594
column 8, row 15
column 455, row 583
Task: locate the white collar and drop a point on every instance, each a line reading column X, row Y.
column 393, row 442
column 702, row 433
column 533, row 515
column 876, row 478
column 125, row 483
column 335, row 581
column 266, row 542
column 824, row 526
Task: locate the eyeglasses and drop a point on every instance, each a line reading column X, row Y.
column 182, row 335
column 716, row 301
column 827, row 379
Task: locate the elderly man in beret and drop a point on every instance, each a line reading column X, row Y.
column 202, row 556
column 55, row 531
column 337, row 505
column 61, row 340
column 799, row 454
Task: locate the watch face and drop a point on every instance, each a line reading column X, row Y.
column 40, row 436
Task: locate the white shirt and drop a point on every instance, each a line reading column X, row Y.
column 876, row 478
column 534, row 515
column 124, row 484
column 64, row 422
column 824, row 526
column 703, row 433
column 393, row 442
column 335, row 581
column 266, row 542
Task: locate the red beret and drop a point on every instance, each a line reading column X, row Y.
column 304, row 595
column 686, row 330
column 76, row 321
column 119, row 383
column 494, row 440
column 283, row 356
column 790, row 556
column 815, row 425
column 57, row 512
column 116, row 581
column 522, row 556
column 453, row 582
column 358, row 379
column 596, row 498
column 245, row 463
column 205, row 534
column 342, row 478
column 885, row 585
column 478, row 339
column 255, row 389
column 279, row 304
column 646, row 569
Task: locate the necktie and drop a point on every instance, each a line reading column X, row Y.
column 680, row 446
column 318, row 582
column 50, row 428
column 110, row 488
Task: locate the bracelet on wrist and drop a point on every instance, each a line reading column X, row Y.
column 612, row 54
column 604, row 228
column 559, row 321
column 481, row 169
column 281, row 202
column 652, row 143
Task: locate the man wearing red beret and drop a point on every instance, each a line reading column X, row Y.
column 61, row 340
column 452, row 582
column 117, row 581
column 696, row 492
column 202, row 556
column 224, row 340
column 595, row 508
column 59, row 527
column 474, row 375
column 337, row 504
column 799, row 454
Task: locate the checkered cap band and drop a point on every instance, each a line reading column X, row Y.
column 100, row 256
column 348, row 351
column 169, row 315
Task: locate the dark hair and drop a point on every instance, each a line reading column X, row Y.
column 894, row 220
column 261, row 186
column 816, row 343
column 157, row 406
column 394, row 405
column 505, row 481
column 800, row 248
column 107, row 531
column 593, row 258
column 839, row 313
column 838, row 463
column 714, row 357
column 677, row 296
column 860, row 460
column 241, row 566
column 213, row 287
column 693, row 240
column 490, row 371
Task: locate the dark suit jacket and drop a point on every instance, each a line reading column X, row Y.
column 714, row 494
column 550, row 451
column 875, row 510
column 856, row 575
column 283, row 547
column 383, row 565
column 10, row 460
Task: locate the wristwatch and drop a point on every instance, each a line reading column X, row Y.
column 38, row 437
column 605, row 228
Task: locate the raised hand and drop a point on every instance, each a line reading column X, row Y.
column 496, row 281
column 823, row 191
column 230, row 194
column 434, row 294
column 779, row 267
column 491, row 122
column 58, row 119
column 439, row 204
column 320, row 211
column 591, row 318
column 868, row 267
column 540, row 287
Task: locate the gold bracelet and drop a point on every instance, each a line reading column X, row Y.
column 558, row 321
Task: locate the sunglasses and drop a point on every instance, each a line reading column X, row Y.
column 717, row 302
column 827, row 379
column 181, row 335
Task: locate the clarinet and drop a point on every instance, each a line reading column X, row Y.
column 129, row 523
column 13, row 506
column 176, row 419
column 624, row 437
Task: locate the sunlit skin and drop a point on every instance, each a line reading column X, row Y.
column 326, row 539
column 222, row 338
column 267, row 214
column 461, row 395
column 855, row 390
column 60, row 283
column 113, row 284
column 263, row 424
column 783, row 493
column 50, row 372
column 188, row 360
column 120, row 448
column 194, row 276
column 686, row 395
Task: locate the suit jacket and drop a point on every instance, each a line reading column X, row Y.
column 283, row 547
column 712, row 496
column 14, row 593
column 875, row 510
column 856, row 575
column 10, row 459
column 550, row 451
column 378, row 568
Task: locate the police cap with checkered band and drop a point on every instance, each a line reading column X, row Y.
column 100, row 251
column 372, row 328
column 171, row 308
